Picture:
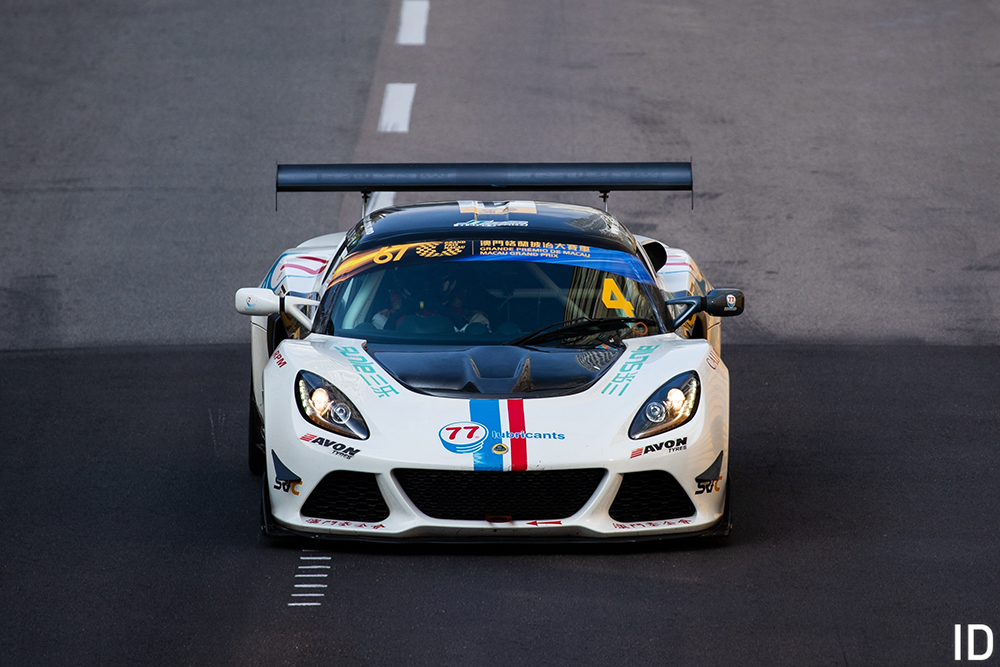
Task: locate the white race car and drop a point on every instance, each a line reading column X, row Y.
column 489, row 370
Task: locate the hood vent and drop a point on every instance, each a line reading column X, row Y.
column 494, row 370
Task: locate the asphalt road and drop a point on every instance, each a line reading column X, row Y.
column 845, row 152
column 864, row 530
column 846, row 177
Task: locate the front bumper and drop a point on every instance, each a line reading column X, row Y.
column 271, row 529
column 428, row 505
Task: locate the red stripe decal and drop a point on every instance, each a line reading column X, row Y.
column 518, row 446
column 311, row 272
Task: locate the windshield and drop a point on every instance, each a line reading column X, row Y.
column 490, row 292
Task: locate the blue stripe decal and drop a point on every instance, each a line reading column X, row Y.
column 487, row 413
column 599, row 259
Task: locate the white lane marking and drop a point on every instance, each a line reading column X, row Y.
column 309, row 566
column 381, row 200
column 396, row 105
column 413, row 22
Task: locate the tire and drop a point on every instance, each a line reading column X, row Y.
column 255, row 440
column 265, row 509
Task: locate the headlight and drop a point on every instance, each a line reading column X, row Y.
column 670, row 406
column 327, row 407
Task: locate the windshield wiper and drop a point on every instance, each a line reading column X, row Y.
column 580, row 325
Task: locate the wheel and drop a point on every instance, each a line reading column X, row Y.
column 255, row 440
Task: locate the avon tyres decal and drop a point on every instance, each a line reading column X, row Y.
column 667, row 446
column 338, row 448
column 495, row 435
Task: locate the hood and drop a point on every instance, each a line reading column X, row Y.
column 494, row 370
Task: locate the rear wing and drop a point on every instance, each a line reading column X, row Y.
column 602, row 177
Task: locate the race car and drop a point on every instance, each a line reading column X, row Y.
column 480, row 370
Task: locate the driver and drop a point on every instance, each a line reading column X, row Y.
column 429, row 292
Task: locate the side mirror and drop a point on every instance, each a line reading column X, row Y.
column 657, row 254
column 260, row 301
column 718, row 302
column 724, row 302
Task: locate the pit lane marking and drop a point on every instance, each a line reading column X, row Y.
column 299, row 592
column 396, row 105
column 413, row 22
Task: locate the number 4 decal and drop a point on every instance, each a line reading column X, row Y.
column 614, row 299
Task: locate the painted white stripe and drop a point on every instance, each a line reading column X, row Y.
column 396, row 105
column 311, row 575
column 413, row 22
column 310, row 585
column 314, row 557
column 308, row 595
column 314, row 567
column 381, row 200
column 304, row 604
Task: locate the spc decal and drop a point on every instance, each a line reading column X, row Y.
column 338, row 448
column 709, row 486
column 667, row 446
column 284, row 479
column 710, row 480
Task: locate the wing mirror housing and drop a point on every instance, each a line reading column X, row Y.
column 657, row 254
column 724, row 302
column 718, row 302
column 260, row 301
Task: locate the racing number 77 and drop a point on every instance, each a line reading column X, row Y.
column 455, row 429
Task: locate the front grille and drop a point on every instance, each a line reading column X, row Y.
column 651, row 495
column 346, row 495
column 520, row 495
